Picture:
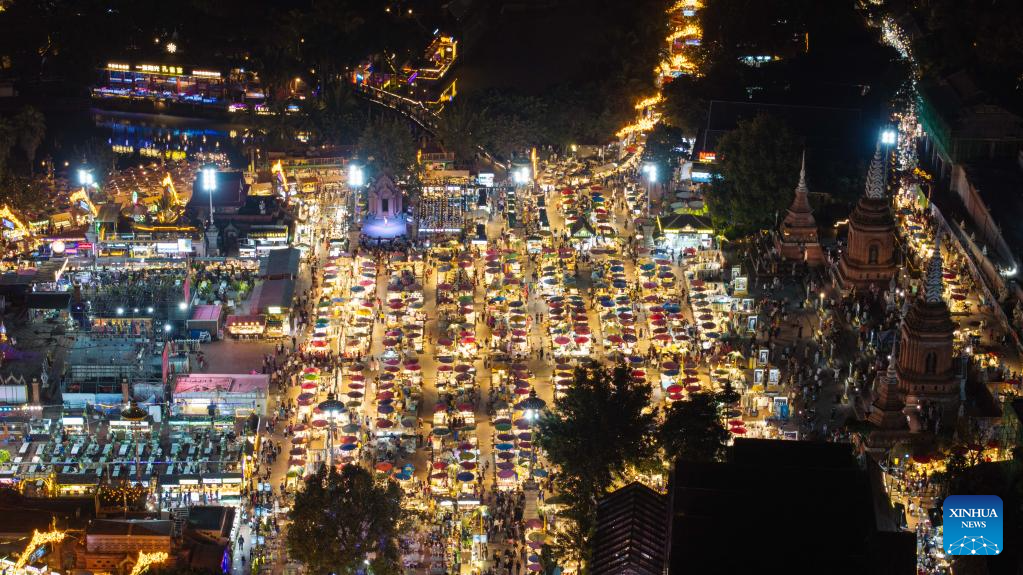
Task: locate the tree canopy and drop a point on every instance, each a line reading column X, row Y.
column 389, row 148
column 342, row 518
column 692, row 429
column 759, row 167
column 600, row 426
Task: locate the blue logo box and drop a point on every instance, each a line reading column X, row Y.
column 973, row 525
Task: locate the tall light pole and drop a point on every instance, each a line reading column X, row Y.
column 209, row 185
column 86, row 179
column 531, row 408
column 135, row 415
column 520, row 175
column 332, row 408
column 356, row 179
column 889, row 138
column 651, row 176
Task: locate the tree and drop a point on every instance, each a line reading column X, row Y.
column 759, row 166
column 389, row 147
column 684, row 108
column 8, row 137
column 30, row 125
column 340, row 519
column 692, row 429
column 600, row 427
column 662, row 150
column 338, row 116
column 728, row 395
column 460, row 129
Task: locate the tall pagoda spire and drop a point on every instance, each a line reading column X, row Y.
column 801, row 203
column 935, row 287
column 876, row 176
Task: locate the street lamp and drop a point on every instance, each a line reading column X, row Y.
column 356, row 177
column 332, row 408
column 521, row 175
column 889, row 137
column 651, row 177
column 85, row 177
column 134, row 415
column 209, row 185
column 531, row 408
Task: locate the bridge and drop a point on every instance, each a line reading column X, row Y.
column 415, row 111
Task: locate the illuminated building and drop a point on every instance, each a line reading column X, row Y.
column 423, row 81
column 386, row 206
column 167, row 85
column 870, row 254
column 112, row 545
column 927, row 371
column 843, row 518
column 796, row 239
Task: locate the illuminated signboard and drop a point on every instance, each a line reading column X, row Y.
column 708, row 157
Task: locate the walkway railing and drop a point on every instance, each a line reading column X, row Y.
column 414, row 110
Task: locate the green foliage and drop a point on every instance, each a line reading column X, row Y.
column 599, row 428
column 461, row 128
column 8, row 138
column 31, row 127
column 728, row 395
column 981, row 36
column 5, row 456
column 339, row 518
column 337, row 116
column 661, row 150
column 388, row 146
column 759, row 163
column 684, row 106
column 692, row 429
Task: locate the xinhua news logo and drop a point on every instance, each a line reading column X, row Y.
column 973, row 525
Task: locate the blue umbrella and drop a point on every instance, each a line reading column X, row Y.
column 465, row 476
column 503, row 446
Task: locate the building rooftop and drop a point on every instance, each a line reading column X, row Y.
column 818, row 503
column 130, row 527
column 211, row 518
column 280, row 263
column 967, row 111
column 999, row 184
column 631, row 535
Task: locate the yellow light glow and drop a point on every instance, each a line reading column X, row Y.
column 278, row 169
column 642, row 125
column 168, row 184
column 690, row 31
column 37, row 541
column 147, row 560
column 651, row 101
column 685, row 5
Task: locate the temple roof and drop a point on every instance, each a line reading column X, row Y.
column 876, row 176
column 801, row 203
column 800, row 215
column 935, row 286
